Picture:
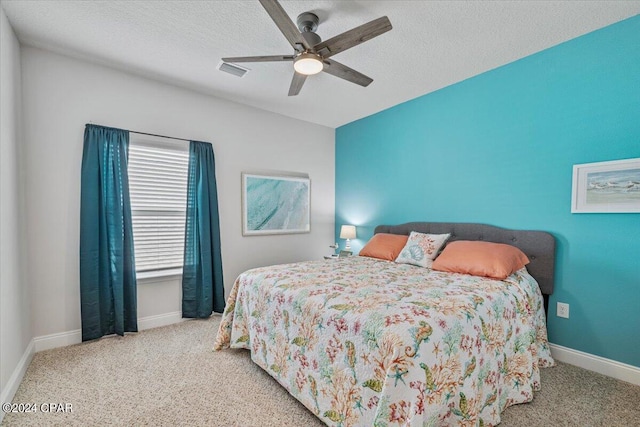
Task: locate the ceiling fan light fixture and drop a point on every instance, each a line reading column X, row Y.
column 308, row 63
column 310, row 54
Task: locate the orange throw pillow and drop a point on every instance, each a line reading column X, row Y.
column 495, row 260
column 384, row 246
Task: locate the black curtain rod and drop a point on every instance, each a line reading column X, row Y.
column 161, row 136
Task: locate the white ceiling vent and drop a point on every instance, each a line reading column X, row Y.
column 236, row 70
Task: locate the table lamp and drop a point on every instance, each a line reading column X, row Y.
column 348, row 232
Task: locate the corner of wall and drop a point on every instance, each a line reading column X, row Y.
column 17, row 346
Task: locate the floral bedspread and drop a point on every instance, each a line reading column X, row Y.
column 365, row 342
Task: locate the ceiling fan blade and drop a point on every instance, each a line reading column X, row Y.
column 271, row 58
column 285, row 24
column 353, row 37
column 339, row 70
column 296, row 83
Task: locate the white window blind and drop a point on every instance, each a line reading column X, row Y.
column 158, row 189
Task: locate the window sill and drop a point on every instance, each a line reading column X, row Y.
column 159, row 276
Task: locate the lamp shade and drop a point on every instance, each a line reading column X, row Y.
column 348, row 232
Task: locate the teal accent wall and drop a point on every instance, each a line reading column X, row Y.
column 499, row 148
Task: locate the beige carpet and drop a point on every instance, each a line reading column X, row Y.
column 169, row 376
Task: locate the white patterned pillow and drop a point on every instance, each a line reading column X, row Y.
column 421, row 249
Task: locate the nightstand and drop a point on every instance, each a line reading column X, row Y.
column 331, row 257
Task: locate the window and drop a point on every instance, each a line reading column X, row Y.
column 158, row 187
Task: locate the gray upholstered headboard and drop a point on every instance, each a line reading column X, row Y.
column 539, row 246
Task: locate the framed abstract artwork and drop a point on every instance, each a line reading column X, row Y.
column 606, row 187
column 275, row 204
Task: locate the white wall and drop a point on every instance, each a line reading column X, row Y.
column 15, row 316
column 62, row 94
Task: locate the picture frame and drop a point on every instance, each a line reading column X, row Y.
column 275, row 204
column 606, row 187
column 344, row 253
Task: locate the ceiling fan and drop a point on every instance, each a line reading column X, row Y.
column 311, row 55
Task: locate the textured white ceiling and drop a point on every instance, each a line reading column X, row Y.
column 433, row 44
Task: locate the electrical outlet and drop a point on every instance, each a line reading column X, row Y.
column 562, row 310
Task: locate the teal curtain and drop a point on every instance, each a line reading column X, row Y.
column 202, row 286
column 107, row 266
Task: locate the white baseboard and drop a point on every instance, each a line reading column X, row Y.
column 63, row 339
column 60, row 339
column 160, row 320
column 601, row 365
column 16, row 378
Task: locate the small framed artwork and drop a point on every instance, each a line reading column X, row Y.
column 275, row 204
column 343, row 254
column 606, row 187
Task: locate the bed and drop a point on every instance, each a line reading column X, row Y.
column 366, row 342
